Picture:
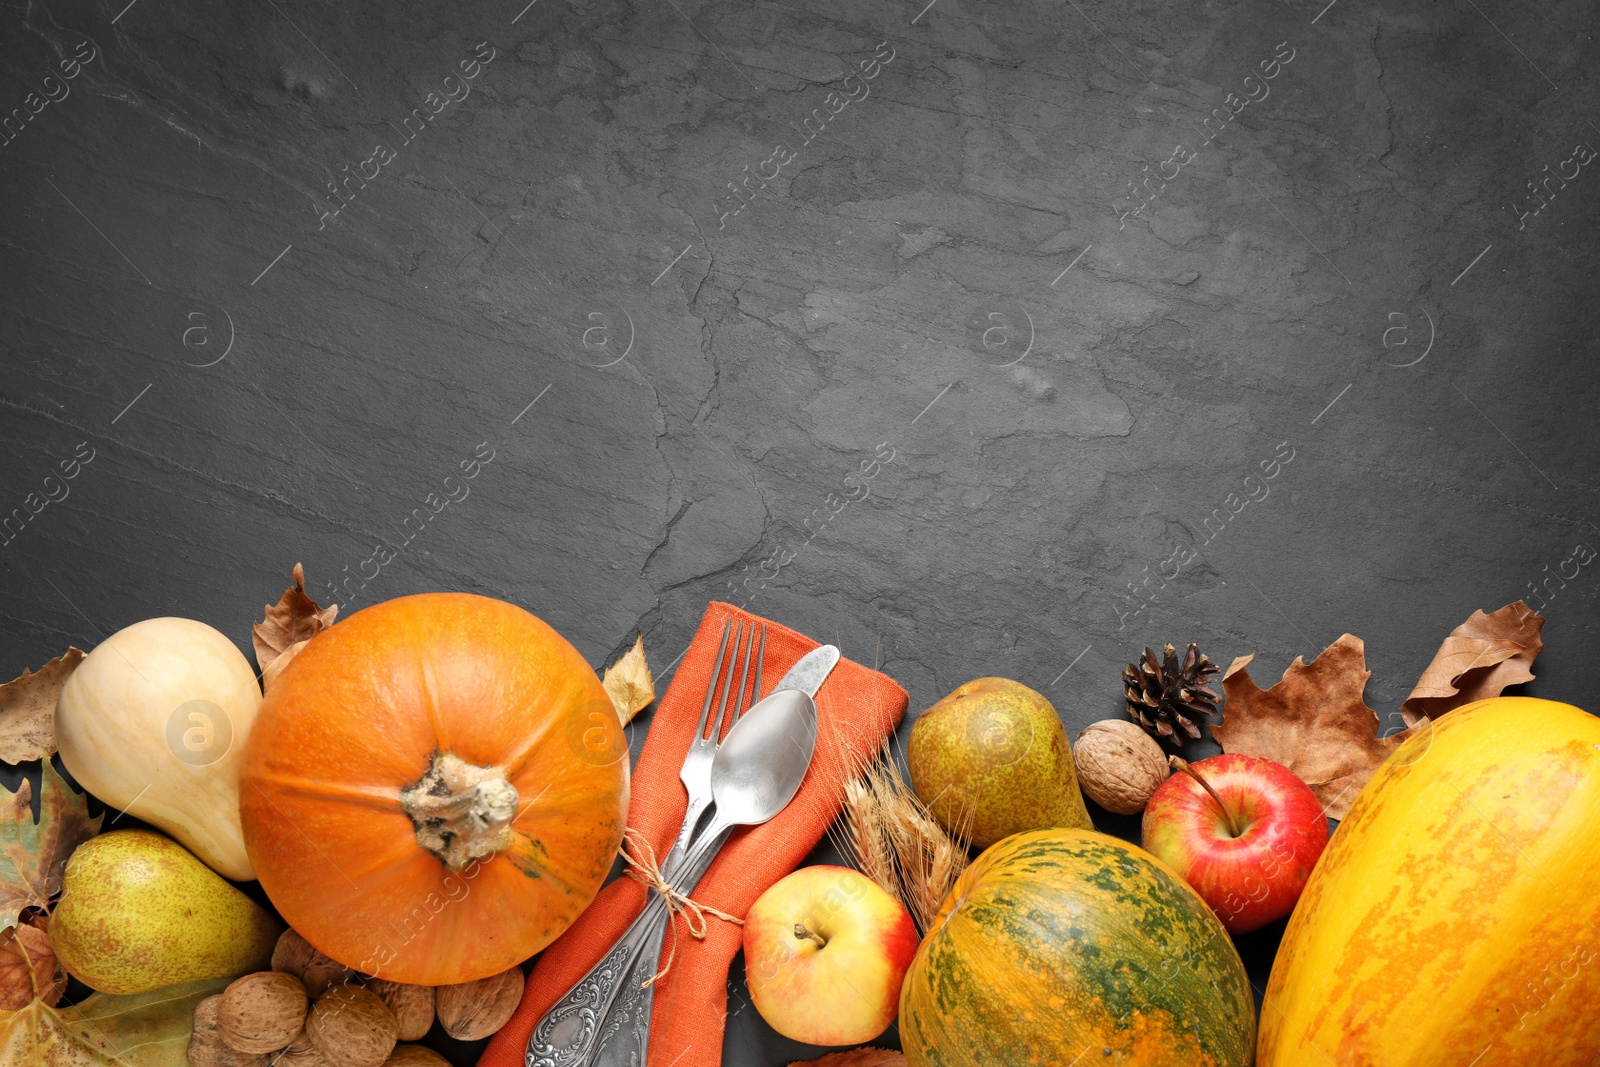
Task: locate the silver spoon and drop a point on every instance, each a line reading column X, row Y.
column 755, row 774
column 743, row 797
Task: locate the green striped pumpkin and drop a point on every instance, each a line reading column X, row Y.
column 1061, row 944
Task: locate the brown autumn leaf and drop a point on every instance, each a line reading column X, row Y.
column 629, row 683
column 32, row 854
column 269, row 673
column 28, row 709
column 294, row 619
column 1479, row 659
column 29, row 970
column 140, row 1030
column 857, row 1057
column 1315, row 722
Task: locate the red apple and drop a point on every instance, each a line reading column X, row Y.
column 825, row 951
column 1246, row 844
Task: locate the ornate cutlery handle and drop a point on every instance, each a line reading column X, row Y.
column 624, row 1034
column 569, row 1033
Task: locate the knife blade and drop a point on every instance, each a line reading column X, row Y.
column 810, row 670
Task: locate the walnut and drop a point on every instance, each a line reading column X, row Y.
column 1119, row 765
column 415, row 1056
column 352, row 1027
column 302, row 1053
column 412, row 1006
column 295, row 955
column 472, row 1010
column 262, row 1012
column 206, row 1047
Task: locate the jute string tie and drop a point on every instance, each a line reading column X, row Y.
column 644, row 869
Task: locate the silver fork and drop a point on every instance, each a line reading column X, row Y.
column 567, row 1035
column 696, row 771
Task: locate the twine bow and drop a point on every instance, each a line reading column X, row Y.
column 644, row 869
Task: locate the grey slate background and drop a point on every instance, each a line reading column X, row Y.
column 1351, row 273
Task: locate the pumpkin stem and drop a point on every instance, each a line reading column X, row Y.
column 1183, row 765
column 461, row 812
column 805, row 933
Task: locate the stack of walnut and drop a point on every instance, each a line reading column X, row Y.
column 309, row 1011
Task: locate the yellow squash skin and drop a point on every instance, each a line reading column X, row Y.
column 1454, row 920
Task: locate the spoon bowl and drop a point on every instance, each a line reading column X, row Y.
column 764, row 758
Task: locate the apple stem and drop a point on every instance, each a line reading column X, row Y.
column 1178, row 764
column 806, row 934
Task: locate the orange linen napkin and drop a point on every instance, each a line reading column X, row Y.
column 857, row 709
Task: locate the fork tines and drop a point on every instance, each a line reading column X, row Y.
column 746, row 639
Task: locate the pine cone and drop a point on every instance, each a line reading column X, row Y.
column 1168, row 698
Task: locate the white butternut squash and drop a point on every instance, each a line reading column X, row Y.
column 154, row 722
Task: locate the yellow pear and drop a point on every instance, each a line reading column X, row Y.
column 138, row 911
column 992, row 759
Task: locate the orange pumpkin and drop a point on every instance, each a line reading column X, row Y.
column 434, row 788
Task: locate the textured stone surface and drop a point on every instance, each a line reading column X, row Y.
column 774, row 356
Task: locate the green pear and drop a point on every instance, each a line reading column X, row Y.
column 991, row 760
column 138, row 911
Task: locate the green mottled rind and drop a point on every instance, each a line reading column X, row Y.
column 1061, row 941
column 138, row 911
column 992, row 759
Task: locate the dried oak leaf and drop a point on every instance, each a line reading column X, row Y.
column 28, row 709
column 1479, row 659
column 29, row 970
column 143, row 1030
column 1314, row 722
column 629, row 683
column 293, row 620
column 857, row 1057
column 33, row 853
